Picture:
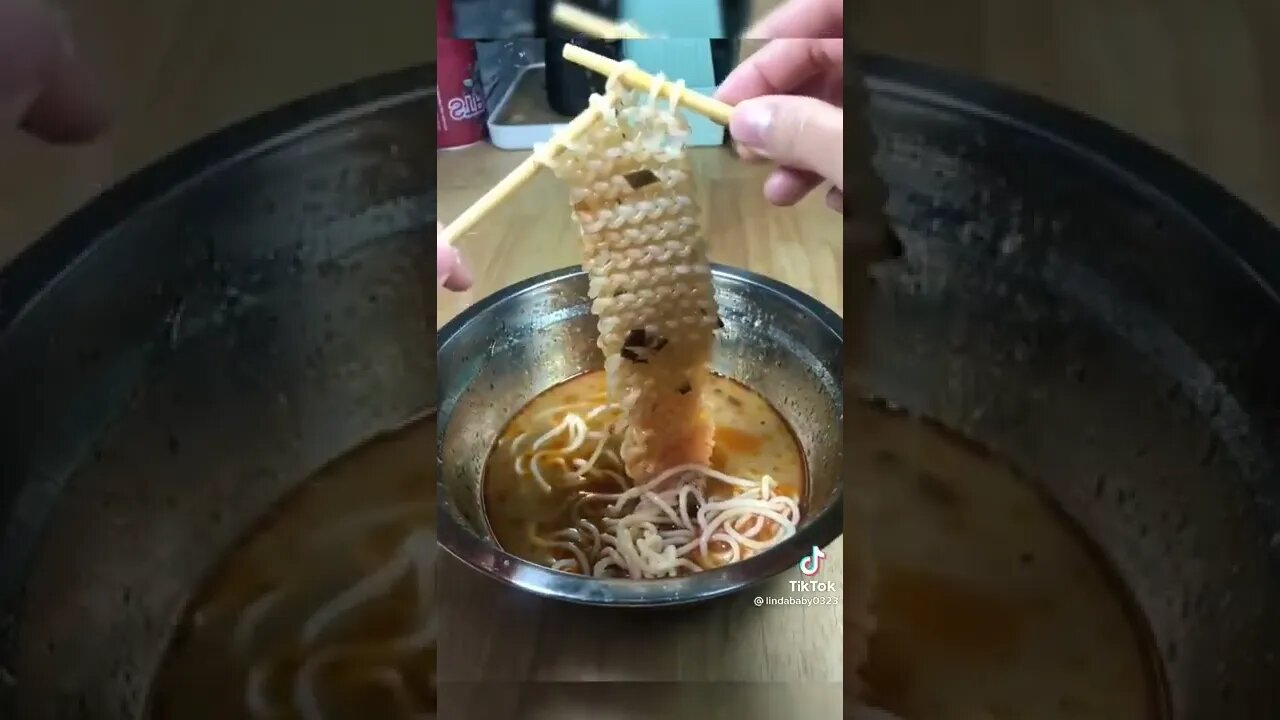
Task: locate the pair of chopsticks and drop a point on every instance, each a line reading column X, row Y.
column 577, row 19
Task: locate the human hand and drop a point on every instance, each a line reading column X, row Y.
column 45, row 89
column 451, row 274
column 789, row 99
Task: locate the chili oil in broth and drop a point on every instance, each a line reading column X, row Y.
column 751, row 440
column 991, row 602
column 341, row 525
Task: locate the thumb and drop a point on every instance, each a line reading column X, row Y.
column 450, row 272
column 798, row 132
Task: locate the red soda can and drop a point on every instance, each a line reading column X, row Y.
column 460, row 108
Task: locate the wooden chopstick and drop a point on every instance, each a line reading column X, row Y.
column 637, row 79
column 524, row 172
column 575, row 18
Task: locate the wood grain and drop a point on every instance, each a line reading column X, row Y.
column 641, row 701
column 492, row 634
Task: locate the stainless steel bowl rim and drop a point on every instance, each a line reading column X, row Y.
column 40, row 265
column 819, row 530
column 1238, row 229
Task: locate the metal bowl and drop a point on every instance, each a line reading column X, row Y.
column 1109, row 321
column 179, row 355
column 503, row 351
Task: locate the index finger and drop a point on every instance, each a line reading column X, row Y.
column 781, row 68
column 801, row 19
column 44, row 87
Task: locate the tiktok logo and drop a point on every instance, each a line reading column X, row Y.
column 811, row 564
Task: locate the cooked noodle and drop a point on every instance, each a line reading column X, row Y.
column 668, row 526
column 325, row 640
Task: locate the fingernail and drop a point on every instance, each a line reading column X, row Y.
column 835, row 200
column 745, row 153
column 461, row 279
column 750, row 125
column 446, row 262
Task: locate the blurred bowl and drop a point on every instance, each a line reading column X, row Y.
column 505, row 350
column 176, row 357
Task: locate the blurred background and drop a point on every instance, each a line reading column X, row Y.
column 176, row 70
column 698, row 45
column 1200, row 80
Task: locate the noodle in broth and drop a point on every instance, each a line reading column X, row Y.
column 327, row 610
column 556, row 493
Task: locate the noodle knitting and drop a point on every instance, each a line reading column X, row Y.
column 650, row 281
column 667, row 512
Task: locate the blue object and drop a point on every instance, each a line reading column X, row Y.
column 681, row 59
column 685, row 59
column 674, row 18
